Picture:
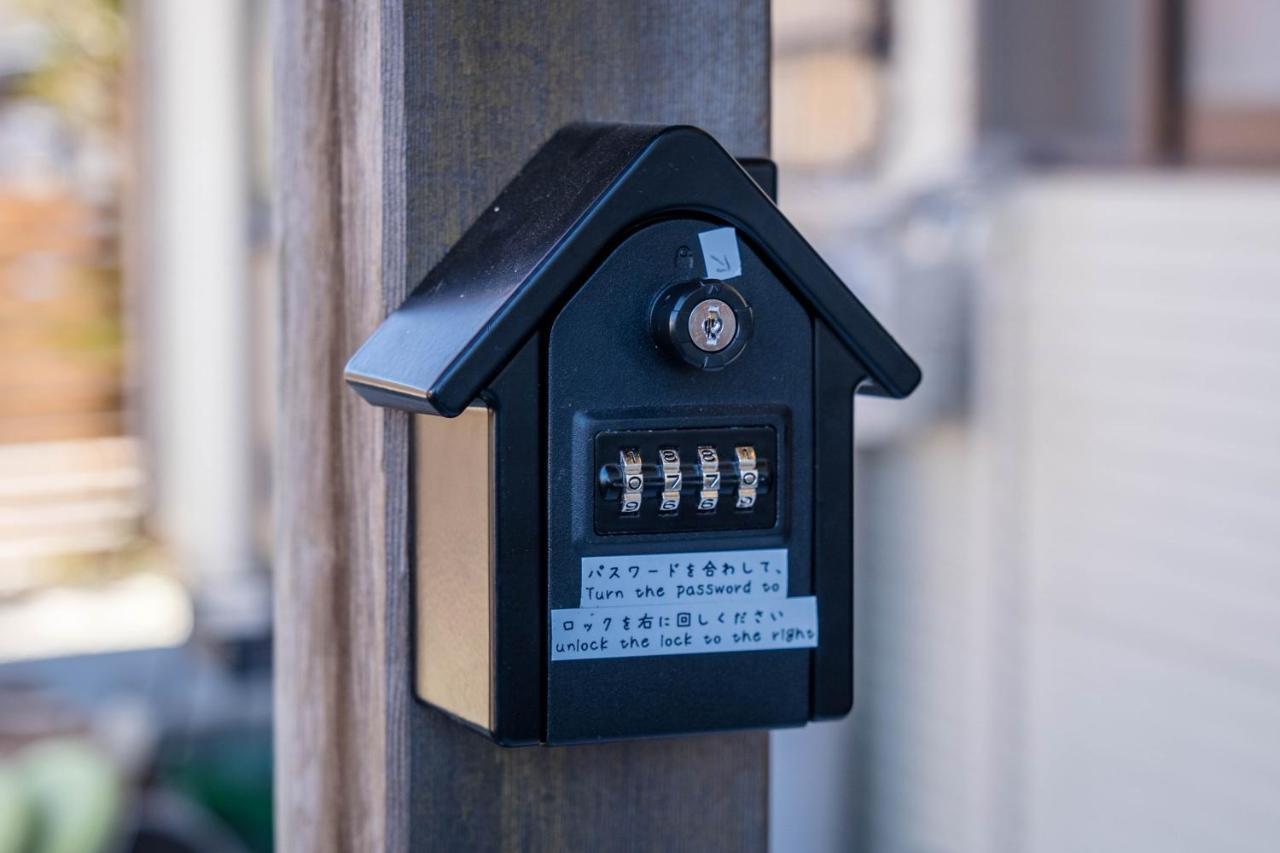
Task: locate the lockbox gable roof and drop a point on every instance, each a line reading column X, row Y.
column 540, row 238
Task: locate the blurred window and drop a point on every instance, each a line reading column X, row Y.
column 1233, row 82
column 1190, row 82
column 828, row 60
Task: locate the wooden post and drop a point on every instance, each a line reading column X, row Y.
column 396, row 122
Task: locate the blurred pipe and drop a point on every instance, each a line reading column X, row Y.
column 932, row 93
column 902, row 240
column 195, row 296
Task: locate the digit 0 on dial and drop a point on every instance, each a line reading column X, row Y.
column 745, row 463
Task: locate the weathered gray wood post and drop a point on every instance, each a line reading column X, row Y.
column 396, row 122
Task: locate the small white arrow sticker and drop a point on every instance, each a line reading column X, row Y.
column 720, row 253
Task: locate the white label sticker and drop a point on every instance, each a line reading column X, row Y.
column 683, row 577
column 683, row 629
column 720, row 253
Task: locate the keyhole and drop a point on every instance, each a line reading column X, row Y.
column 712, row 326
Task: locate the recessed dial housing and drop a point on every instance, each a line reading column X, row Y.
column 690, row 480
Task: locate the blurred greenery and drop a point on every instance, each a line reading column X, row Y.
column 65, row 798
column 16, row 813
column 82, row 74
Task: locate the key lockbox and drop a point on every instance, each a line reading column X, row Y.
column 632, row 382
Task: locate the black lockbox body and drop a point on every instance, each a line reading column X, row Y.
column 669, row 372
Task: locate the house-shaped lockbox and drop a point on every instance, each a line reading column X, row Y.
column 632, row 386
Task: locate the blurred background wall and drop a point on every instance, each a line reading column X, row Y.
column 1069, row 566
column 1068, row 569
